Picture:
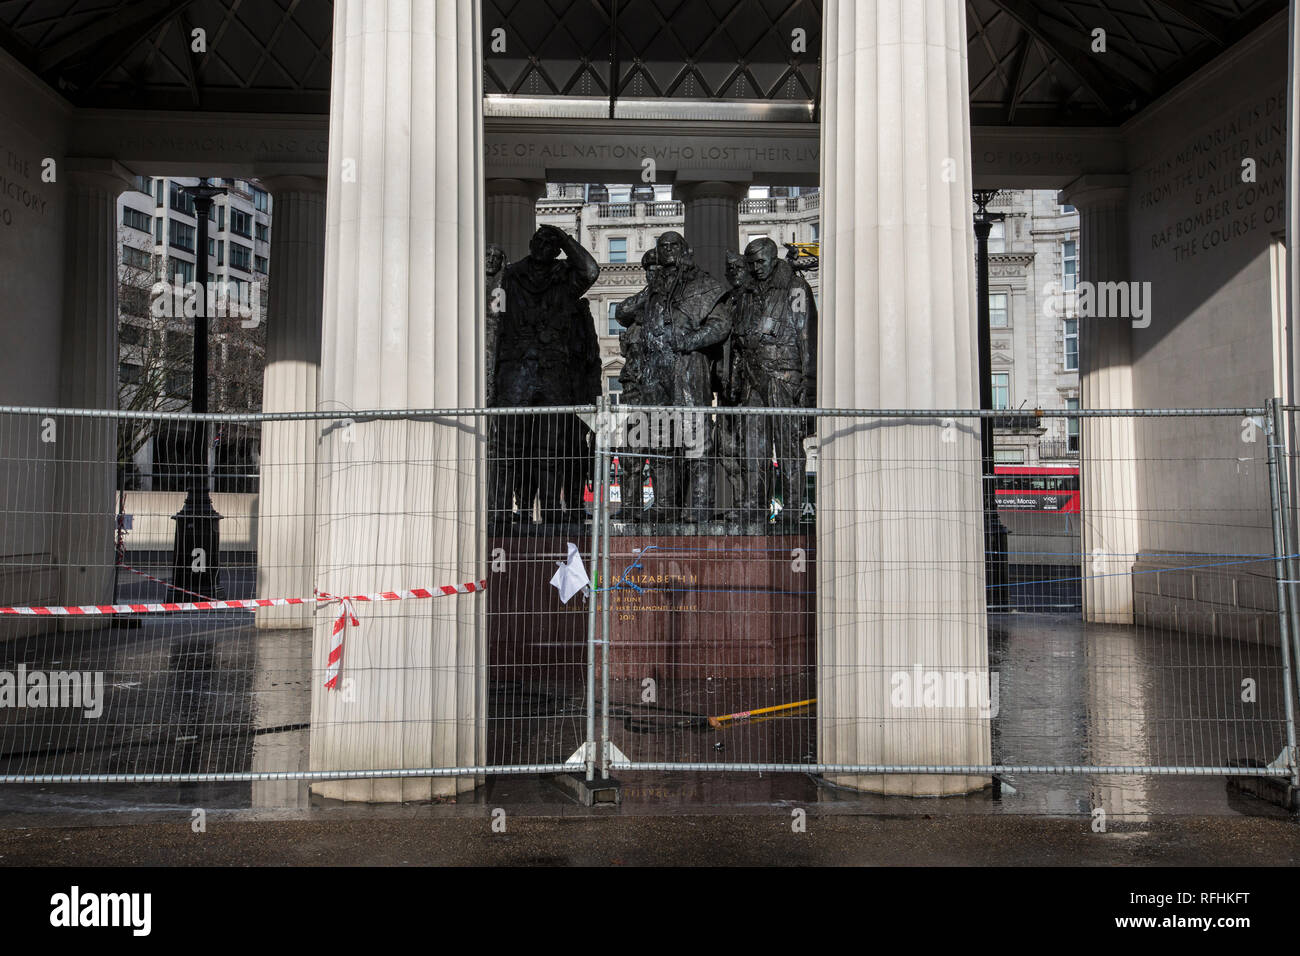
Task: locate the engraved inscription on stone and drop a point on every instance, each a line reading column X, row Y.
column 1210, row 203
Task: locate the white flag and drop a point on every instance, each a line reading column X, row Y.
column 571, row 576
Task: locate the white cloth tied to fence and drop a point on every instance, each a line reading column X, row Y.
column 571, row 576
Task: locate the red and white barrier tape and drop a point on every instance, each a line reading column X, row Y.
column 346, row 616
column 201, row 597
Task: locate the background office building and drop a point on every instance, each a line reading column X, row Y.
column 158, row 233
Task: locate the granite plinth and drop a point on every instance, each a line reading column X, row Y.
column 720, row 605
column 531, row 635
column 711, row 605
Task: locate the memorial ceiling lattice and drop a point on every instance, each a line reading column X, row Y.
column 1031, row 62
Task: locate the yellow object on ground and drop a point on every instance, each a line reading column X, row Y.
column 746, row 714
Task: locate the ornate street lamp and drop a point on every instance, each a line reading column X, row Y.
column 995, row 532
column 197, row 542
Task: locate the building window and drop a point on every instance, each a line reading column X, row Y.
column 1009, row 456
column 615, row 327
column 815, row 232
column 169, row 449
column 240, row 256
column 613, row 388
column 182, row 236
column 182, row 201
column 260, row 232
column 1070, row 265
column 133, row 301
column 261, row 201
column 182, row 270
column 998, row 237
column 1071, row 344
column 620, row 193
column 221, row 252
column 178, row 385
column 178, row 349
column 135, row 258
column 241, row 223
column 1067, row 209
column 131, row 335
column 259, row 263
column 618, row 249
column 998, row 317
column 136, row 219
column 158, row 229
column 759, row 192
column 1001, row 389
column 158, row 191
column 1072, row 427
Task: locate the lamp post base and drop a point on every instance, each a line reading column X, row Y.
column 197, row 546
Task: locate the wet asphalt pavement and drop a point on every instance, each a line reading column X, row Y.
column 756, row 839
column 210, row 693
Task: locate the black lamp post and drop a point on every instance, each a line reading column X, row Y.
column 198, row 542
column 995, row 532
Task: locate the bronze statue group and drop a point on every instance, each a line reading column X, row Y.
column 689, row 341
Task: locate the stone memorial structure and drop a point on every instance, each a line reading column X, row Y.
column 1182, row 164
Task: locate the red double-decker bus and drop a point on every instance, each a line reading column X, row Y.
column 1037, row 488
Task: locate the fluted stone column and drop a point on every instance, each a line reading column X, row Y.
column 1293, row 205
column 900, row 564
column 1107, row 458
column 511, row 214
column 87, row 448
column 286, row 520
column 400, row 500
column 712, row 226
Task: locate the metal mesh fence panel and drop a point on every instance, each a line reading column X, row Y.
column 241, row 597
column 89, row 506
column 1129, row 627
column 381, row 600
